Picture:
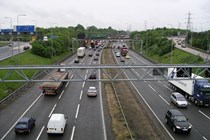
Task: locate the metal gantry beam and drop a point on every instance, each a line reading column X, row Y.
column 135, row 72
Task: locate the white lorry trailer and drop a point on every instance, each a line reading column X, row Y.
column 198, row 90
column 81, row 52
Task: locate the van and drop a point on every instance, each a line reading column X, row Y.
column 56, row 124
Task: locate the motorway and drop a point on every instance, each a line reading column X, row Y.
column 157, row 95
column 9, row 51
column 88, row 118
column 85, row 114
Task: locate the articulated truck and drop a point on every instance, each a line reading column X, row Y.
column 197, row 90
column 53, row 88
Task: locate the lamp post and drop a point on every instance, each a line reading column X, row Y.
column 18, row 31
column 11, row 30
column 171, row 42
column 51, row 25
column 35, row 26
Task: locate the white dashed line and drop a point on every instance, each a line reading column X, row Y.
column 204, row 114
column 164, row 99
column 52, row 110
column 72, row 133
column 40, row 133
column 67, row 84
column 61, row 95
column 80, row 97
column 77, row 111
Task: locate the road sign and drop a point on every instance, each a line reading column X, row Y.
column 25, row 28
column 6, row 30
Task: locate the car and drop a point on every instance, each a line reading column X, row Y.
column 178, row 99
column 26, row 47
column 177, row 121
column 122, row 59
column 96, row 58
column 127, row 57
column 117, row 54
column 183, row 46
column 92, row 91
column 90, row 54
column 10, row 44
column 56, row 124
column 76, row 60
column 25, row 124
column 97, row 54
column 93, row 76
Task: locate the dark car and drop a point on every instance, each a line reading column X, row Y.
column 76, row 60
column 10, row 44
column 90, row 54
column 25, row 124
column 177, row 121
column 97, row 54
column 96, row 58
column 122, row 59
column 26, row 47
column 93, row 75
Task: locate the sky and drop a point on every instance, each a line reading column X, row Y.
column 132, row 15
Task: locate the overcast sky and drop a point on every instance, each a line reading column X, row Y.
column 118, row 14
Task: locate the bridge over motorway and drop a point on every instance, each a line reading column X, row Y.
column 151, row 72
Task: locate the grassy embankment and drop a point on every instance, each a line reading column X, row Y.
column 26, row 58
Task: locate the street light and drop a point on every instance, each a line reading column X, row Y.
column 35, row 26
column 11, row 31
column 171, row 42
column 19, row 32
column 51, row 24
column 10, row 21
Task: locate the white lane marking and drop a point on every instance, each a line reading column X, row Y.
column 83, row 85
column 164, row 99
column 205, row 138
column 40, row 133
column 52, row 110
column 21, row 117
column 150, row 108
column 61, row 94
column 152, row 88
column 204, row 114
column 167, row 87
column 72, row 133
column 67, row 84
column 80, row 97
column 101, row 105
column 77, row 111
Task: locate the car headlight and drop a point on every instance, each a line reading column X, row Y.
column 178, row 127
column 190, row 126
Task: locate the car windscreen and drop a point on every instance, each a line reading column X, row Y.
column 180, row 118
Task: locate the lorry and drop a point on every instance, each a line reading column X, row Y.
column 81, row 52
column 53, row 88
column 123, row 50
column 195, row 89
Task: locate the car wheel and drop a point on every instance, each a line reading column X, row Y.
column 196, row 102
column 174, row 129
column 166, row 120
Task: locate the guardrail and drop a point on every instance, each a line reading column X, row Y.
column 18, row 91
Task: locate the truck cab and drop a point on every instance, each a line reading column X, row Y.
column 201, row 92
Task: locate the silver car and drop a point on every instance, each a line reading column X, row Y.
column 92, row 91
column 178, row 99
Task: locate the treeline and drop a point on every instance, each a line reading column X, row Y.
column 61, row 39
column 199, row 40
column 156, row 41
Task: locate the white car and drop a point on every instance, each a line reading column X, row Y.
column 178, row 99
column 117, row 54
column 92, row 91
column 56, row 124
